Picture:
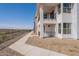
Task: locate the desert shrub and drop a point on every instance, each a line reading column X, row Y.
column 72, row 50
column 1, row 40
column 4, row 37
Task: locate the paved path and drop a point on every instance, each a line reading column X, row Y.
column 28, row 50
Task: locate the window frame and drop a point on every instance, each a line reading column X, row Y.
column 45, row 16
column 59, row 8
column 59, row 28
column 67, row 7
column 66, row 28
column 52, row 15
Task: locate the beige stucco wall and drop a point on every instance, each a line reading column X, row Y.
column 36, row 25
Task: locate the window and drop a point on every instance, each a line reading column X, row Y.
column 44, row 28
column 67, row 7
column 38, row 19
column 59, row 8
column 38, row 33
column 66, row 28
column 59, row 28
column 55, row 15
column 52, row 15
column 45, row 16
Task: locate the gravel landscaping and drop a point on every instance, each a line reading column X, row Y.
column 69, row 47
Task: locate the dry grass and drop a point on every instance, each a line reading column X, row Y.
column 9, row 52
column 8, row 37
column 69, row 47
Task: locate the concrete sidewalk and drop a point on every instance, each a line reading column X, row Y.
column 28, row 50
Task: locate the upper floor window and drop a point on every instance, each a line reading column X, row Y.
column 52, row 15
column 59, row 8
column 38, row 19
column 67, row 7
column 55, row 15
column 45, row 16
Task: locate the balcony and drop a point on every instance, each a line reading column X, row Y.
column 49, row 18
column 49, row 21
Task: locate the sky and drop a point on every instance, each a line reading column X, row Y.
column 19, row 15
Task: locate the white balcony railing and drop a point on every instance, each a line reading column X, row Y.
column 49, row 33
column 49, row 21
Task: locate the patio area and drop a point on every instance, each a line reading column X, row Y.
column 65, row 46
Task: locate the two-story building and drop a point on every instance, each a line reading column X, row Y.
column 59, row 20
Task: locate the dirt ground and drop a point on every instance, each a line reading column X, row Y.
column 65, row 46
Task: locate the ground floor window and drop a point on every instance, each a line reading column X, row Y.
column 44, row 28
column 59, row 28
column 39, row 33
column 66, row 28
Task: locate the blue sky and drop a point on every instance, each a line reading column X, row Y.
column 17, row 15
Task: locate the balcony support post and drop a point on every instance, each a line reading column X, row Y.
column 41, row 22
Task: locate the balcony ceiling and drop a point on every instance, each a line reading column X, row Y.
column 48, row 7
column 49, row 4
